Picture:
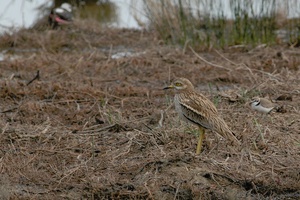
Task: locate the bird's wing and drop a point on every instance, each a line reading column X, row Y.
column 266, row 103
column 198, row 109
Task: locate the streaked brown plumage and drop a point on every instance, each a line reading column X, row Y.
column 195, row 108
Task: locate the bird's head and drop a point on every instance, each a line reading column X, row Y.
column 255, row 101
column 180, row 84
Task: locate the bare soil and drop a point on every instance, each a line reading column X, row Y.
column 93, row 126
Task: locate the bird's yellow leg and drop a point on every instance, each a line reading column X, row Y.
column 200, row 141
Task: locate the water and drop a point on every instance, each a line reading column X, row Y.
column 19, row 13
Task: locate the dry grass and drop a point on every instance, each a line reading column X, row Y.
column 89, row 126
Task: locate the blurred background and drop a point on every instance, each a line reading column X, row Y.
column 24, row 13
column 205, row 22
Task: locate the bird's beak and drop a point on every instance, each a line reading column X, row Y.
column 168, row 87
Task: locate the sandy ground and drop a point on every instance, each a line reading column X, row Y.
column 97, row 125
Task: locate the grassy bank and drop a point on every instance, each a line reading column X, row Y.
column 222, row 23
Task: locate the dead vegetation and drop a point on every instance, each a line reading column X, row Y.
column 93, row 127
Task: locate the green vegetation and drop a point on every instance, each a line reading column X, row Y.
column 217, row 24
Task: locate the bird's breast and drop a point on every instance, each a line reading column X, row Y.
column 178, row 107
column 260, row 108
column 177, row 104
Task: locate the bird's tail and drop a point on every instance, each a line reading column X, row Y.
column 222, row 128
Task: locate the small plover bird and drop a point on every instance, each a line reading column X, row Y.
column 60, row 16
column 195, row 108
column 262, row 105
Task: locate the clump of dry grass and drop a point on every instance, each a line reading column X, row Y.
column 89, row 126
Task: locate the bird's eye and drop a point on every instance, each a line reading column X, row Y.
column 177, row 84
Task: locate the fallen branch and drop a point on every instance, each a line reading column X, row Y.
column 37, row 76
column 225, row 58
column 207, row 62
